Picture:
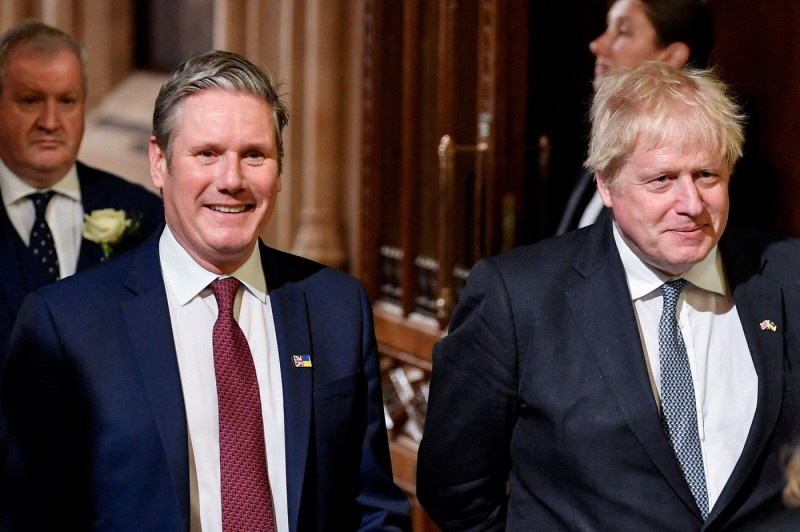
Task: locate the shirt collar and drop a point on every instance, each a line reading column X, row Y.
column 188, row 278
column 707, row 274
column 14, row 189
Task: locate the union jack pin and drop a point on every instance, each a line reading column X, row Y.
column 767, row 324
column 301, row 361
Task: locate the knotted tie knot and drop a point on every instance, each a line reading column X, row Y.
column 672, row 291
column 225, row 293
column 40, row 201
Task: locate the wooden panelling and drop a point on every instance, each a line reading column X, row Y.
column 758, row 52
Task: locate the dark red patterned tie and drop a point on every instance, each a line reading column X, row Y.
column 246, row 495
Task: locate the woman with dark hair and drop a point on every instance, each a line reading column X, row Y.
column 676, row 32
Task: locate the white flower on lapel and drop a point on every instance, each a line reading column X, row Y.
column 107, row 227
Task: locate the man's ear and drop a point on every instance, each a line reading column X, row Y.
column 675, row 54
column 158, row 164
column 603, row 189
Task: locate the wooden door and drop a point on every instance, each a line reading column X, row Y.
column 443, row 169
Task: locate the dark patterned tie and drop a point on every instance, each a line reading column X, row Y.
column 246, row 495
column 41, row 242
column 677, row 397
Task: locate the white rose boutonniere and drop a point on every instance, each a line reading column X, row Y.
column 107, row 227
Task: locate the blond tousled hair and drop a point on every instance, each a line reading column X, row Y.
column 643, row 104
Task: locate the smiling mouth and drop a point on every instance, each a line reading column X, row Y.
column 687, row 230
column 227, row 209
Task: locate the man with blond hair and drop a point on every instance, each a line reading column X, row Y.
column 638, row 374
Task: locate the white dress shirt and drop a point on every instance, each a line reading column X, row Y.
column 64, row 214
column 193, row 311
column 725, row 381
column 592, row 211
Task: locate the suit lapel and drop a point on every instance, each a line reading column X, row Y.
column 93, row 197
column 756, row 300
column 89, row 255
column 294, row 338
column 146, row 315
column 604, row 314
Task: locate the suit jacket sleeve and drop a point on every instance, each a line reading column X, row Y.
column 384, row 506
column 464, row 457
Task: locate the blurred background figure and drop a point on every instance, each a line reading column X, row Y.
column 46, row 192
column 676, row 32
column 791, row 468
column 782, row 521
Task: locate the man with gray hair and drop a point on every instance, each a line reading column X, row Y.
column 47, row 194
column 638, row 374
column 203, row 381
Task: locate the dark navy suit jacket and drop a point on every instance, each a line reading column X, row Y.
column 542, row 386
column 92, row 396
column 99, row 190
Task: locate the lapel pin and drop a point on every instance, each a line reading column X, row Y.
column 767, row 324
column 304, row 361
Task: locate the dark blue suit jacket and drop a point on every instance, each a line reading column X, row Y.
column 92, row 397
column 99, row 190
column 542, row 384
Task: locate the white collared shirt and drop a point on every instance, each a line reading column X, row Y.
column 64, row 214
column 193, row 311
column 592, row 211
column 725, row 381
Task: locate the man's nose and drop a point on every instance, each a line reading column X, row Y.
column 230, row 177
column 688, row 200
column 48, row 116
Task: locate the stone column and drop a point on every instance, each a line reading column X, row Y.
column 320, row 233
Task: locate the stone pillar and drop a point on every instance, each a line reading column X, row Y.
column 59, row 13
column 320, row 234
column 14, row 11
